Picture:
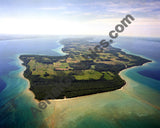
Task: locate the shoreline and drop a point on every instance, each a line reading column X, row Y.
column 121, row 72
column 28, row 82
column 21, row 74
column 59, row 49
column 135, row 67
column 131, row 53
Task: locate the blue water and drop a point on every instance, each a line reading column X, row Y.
column 15, row 103
column 147, row 48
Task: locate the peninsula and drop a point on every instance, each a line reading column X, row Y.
column 56, row 77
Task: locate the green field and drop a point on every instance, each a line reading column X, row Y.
column 89, row 75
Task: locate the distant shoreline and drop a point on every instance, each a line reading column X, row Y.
column 19, row 38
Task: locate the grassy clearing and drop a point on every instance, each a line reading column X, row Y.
column 108, row 75
column 89, row 74
column 40, row 69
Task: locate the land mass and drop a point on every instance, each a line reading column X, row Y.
column 56, row 77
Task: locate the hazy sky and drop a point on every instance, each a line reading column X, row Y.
column 79, row 17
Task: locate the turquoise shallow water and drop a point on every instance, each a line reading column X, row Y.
column 16, row 101
column 136, row 105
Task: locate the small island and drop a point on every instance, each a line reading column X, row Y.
column 57, row 77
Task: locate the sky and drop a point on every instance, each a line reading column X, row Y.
column 79, row 17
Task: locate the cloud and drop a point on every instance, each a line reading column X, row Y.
column 79, row 17
column 70, row 12
column 140, row 8
column 134, row 7
column 52, row 8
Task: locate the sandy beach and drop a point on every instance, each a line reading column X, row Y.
column 28, row 91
